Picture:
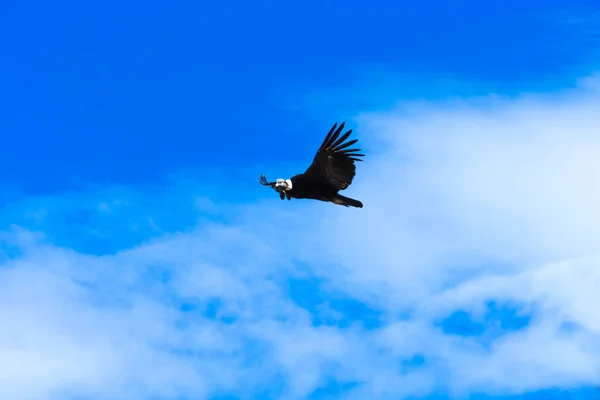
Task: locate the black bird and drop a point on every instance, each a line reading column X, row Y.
column 332, row 170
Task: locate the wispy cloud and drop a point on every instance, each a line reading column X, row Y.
column 474, row 267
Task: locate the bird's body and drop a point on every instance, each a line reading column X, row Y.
column 303, row 188
column 332, row 170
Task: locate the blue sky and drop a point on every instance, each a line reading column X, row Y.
column 128, row 92
column 140, row 258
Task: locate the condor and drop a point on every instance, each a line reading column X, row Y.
column 332, row 170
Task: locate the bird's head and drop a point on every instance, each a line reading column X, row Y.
column 283, row 184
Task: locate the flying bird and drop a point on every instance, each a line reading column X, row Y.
column 332, row 170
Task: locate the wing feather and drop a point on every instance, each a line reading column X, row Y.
column 333, row 135
column 341, row 140
column 347, row 144
column 333, row 163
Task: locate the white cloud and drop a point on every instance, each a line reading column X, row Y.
column 465, row 203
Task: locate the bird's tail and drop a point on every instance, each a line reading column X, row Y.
column 346, row 201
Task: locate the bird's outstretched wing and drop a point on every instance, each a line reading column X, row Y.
column 334, row 162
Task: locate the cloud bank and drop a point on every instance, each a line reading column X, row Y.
column 473, row 268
